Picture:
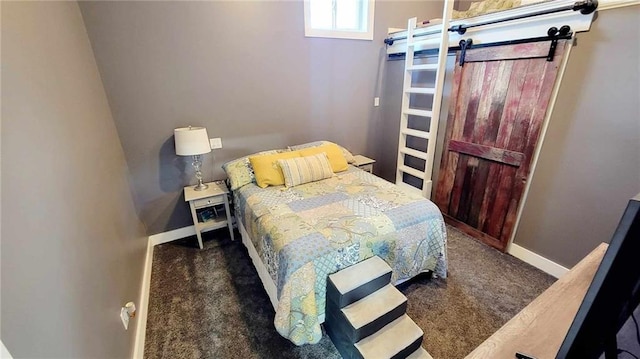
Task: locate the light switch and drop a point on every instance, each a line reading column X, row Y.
column 376, row 101
column 215, row 143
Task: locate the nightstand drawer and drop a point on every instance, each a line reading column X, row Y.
column 205, row 202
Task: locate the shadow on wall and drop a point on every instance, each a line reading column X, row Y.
column 167, row 213
column 390, row 120
column 174, row 171
column 376, row 128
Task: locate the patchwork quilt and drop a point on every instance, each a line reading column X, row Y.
column 307, row 232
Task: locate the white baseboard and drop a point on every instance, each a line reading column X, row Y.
column 143, row 309
column 169, row 236
column 4, row 353
column 537, row 261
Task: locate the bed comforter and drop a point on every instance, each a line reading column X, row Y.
column 307, row 232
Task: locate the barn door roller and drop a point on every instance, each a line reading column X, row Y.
column 553, row 34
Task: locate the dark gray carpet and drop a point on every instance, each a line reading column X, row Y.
column 210, row 303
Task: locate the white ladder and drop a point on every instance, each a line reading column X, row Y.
column 427, row 154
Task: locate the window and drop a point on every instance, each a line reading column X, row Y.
column 342, row 19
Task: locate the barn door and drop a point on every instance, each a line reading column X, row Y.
column 498, row 104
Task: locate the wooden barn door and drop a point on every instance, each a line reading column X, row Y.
column 498, row 105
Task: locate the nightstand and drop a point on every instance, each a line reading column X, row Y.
column 203, row 208
column 364, row 163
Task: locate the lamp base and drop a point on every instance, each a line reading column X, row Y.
column 196, row 165
column 200, row 187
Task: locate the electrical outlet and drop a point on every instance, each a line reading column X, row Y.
column 376, row 101
column 124, row 315
column 215, row 143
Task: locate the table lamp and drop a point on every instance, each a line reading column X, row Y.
column 193, row 141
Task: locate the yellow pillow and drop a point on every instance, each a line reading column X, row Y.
column 334, row 154
column 306, row 169
column 266, row 169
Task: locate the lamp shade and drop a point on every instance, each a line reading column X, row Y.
column 191, row 141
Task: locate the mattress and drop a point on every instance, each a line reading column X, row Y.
column 304, row 233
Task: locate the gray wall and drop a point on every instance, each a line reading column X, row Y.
column 589, row 166
column 242, row 69
column 72, row 246
column 391, row 104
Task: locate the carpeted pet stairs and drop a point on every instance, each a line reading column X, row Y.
column 366, row 315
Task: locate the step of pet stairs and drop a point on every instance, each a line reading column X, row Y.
column 357, row 281
column 371, row 313
column 398, row 339
column 420, row 354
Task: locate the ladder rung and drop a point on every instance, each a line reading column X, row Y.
column 422, row 90
column 423, row 67
column 412, row 171
column 415, row 133
column 422, row 42
column 414, row 153
column 415, row 112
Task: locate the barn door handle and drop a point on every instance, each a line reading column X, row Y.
column 464, row 45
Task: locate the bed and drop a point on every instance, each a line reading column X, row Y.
column 297, row 236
